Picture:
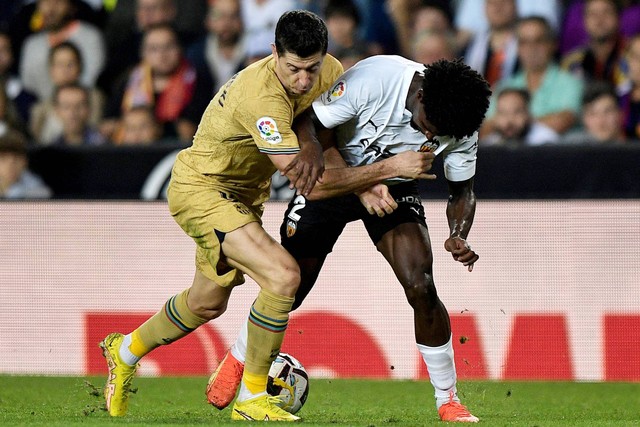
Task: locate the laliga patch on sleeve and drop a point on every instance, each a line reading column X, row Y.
column 269, row 130
column 335, row 92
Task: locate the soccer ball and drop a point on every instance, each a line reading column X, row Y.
column 289, row 380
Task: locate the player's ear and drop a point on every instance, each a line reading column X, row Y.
column 274, row 52
column 420, row 94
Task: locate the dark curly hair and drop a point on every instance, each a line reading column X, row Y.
column 302, row 33
column 455, row 97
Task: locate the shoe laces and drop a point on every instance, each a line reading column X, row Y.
column 455, row 408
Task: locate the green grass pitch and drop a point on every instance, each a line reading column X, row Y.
column 63, row 401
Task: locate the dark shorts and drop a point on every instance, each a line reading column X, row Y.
column 311, row 227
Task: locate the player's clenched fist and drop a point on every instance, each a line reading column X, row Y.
column 413, row 165
column 461, row 251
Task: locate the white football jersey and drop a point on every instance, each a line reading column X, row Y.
column 368, row 100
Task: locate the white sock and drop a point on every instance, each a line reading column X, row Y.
column 125, row 354
column 245, row 394
column 442, row 371
column 239, row 348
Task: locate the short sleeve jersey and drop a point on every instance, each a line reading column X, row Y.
column 249, row 117
column 369, row 102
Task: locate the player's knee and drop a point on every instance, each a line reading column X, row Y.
column 285, row 279
column 208, row 310
column 420, row 290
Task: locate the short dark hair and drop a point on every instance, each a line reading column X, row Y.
column 595, row 90
column 521, row 92
column 70, row 46
column 12, row 141
column 76, row 86
column 455, row 97
column 302, row 33
column 549, row 32
column 344, row 8
column 617, row 4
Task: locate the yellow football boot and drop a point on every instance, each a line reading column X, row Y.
column 116, row 392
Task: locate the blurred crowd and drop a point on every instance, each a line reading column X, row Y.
column 141, row 72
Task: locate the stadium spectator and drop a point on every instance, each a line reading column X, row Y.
column 343, row 21
column 28, row 19
column 429, row 47
column 494, row 52
column 601, row 117
column 259, row 18
column 433, row 16
column 71, row 103
column 65, row 67
column 399, row 13
column 555, row 94
column 165, row 80
column 630, row 99
column 470, row 19
column 574, row 35
column 513, row 123
column 9, row 116
column 222, row 51
column 59, row 25
column 601, row 57
column 16, row 180
column 124, row 31
column 21, row 98
column 139, row 127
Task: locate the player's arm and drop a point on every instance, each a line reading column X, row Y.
column 307, row 167
column 339, row 179
column 461, row 209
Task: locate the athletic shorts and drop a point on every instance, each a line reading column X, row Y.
column 206, row 214
column 311, row 227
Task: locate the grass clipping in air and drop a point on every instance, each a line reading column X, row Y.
column 64, row 401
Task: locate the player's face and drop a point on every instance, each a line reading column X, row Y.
column 419, row 119
column 297, row 75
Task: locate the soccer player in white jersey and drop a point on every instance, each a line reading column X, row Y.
column 383, row 106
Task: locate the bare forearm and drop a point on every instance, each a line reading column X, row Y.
column 345, row 180
column 461, row 209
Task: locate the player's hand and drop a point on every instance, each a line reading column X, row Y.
column 305, row 169
column 377, row 200
column 461, row 251
column 414, row 165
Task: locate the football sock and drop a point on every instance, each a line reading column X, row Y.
column 239, row 348
column 268, row 319
column 442, row 370
column 125, row 353
column 173, row 322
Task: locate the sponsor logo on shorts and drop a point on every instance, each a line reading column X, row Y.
column 269, row 130
column 336, row 91
column 413, row 200
column 292, row 226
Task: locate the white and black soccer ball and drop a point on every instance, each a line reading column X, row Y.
column 289, row 380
